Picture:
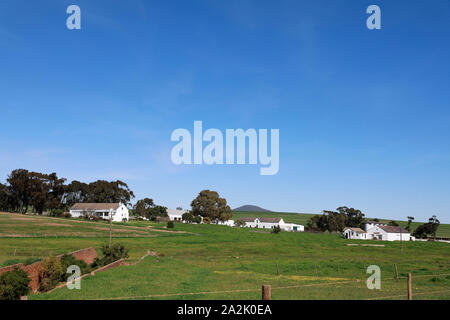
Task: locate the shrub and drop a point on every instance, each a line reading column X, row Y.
column 197, row 219
column 14, row 284
column 276, row 229
column 56, row 212
column 188, row 217
column 170, row 225
column 239, row 223
column 50, row 273
column 116, row 252
column 69, row 260
column 66, row 215
column 206, row 220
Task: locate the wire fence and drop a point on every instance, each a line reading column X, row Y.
column 416, row 292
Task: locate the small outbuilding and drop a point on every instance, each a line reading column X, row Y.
column 355, row 233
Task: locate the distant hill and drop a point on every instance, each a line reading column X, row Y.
column 250, row 208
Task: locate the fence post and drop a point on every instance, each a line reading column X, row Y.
column 396, row 271
column 409, row 286
column 266, row 292
column 278, row 270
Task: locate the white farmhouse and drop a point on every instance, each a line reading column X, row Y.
column 355, row 233
column 119, row 211
column 176, row 215
column 389, row 233
column 270, row 223
column 250, row 222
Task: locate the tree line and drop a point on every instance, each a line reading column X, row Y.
column 336, row 221
column 39, row 192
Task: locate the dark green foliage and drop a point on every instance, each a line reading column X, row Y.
column 41, row 192
column 393, row 223
column 146, row 208
column 170, row 225
column 410, row 220
column 209, row 204
column 14, row 284
column 69, row 260
column 427, row 229
column 98, row 191
column 239, row 223
column 116, row 252
column 336, row 221
column 188, row 217
column 276, row 229
column 56, row 212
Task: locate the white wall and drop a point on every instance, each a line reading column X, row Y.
column 354, row 235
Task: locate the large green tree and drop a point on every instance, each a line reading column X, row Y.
column 147, row 208
column 209, row 204
column 427, row 229
column 336, row 221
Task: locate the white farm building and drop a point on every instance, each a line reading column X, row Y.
column 389, row 233
column 270, row 223
column 355, row 233
column 175, row 214
column 119, row 211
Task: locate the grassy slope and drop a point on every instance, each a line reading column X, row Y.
column 211, row 258
column 302, row 218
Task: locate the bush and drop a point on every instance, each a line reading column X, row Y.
column 56, row 212
column 50, row 273
column 188, row 217
column 116, row 252
column 170, row 225
column 66, row 215
column 239, row 223
column 69, row 260
column 276, row 229
column 14, row 284
column 197, row 219
column 206, row 220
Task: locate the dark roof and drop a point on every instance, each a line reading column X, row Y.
column 95, row 206
column 270, row 220
column 394, row 229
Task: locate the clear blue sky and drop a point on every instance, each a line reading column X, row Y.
column 364, row 115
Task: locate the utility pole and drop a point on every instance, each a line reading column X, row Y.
column 110, row 227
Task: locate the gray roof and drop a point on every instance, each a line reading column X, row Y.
column 394, row 229
column 357, row 230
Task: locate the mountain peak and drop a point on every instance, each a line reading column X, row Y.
column 251, row 208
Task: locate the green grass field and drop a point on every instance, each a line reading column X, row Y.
column 219, row 262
